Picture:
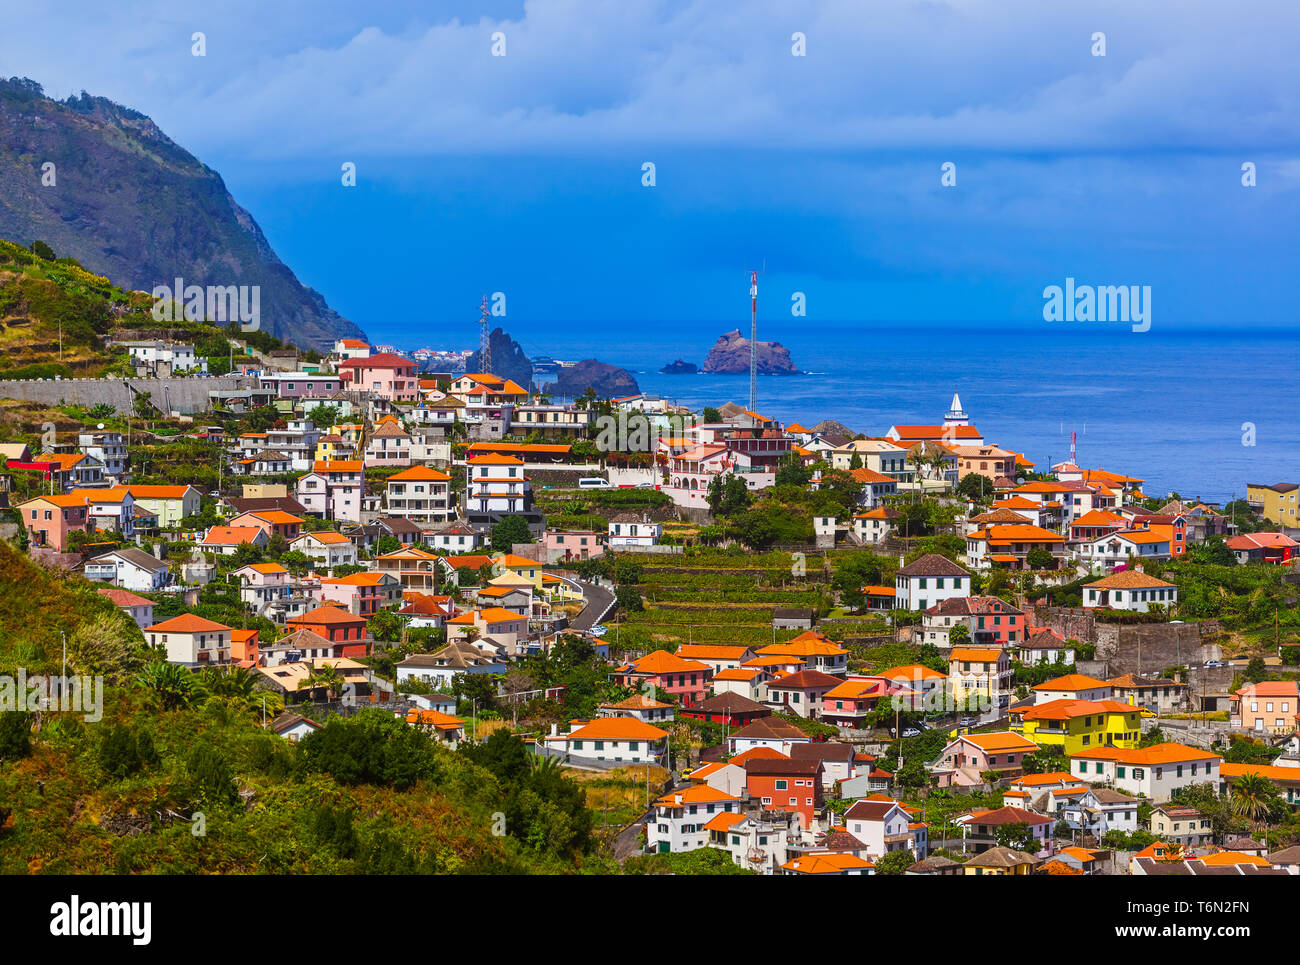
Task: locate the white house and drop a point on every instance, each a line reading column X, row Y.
column 138, row 608
column 438, row 668
column 420, row 494
column 883, row 826
column 1123, row 546
column 628, row 529
column 191, row 640
column 1101, row 809
column 929, row 580
column 326, row 549
column 1152, row 772
column 759, row 846
column 128, row 567
column 679, row 819
column 611, row 739
column 1130, row 590
column 292, row 727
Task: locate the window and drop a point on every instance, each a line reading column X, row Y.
column 782, row 785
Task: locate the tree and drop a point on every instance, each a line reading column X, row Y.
column 15, row 734
column 895, row 862
column 1040, row 559
column 41, row 250
column 1017, row 836
column 628, row 599
column 791, row 471
column 975, row 487
column 386, row 626
column 170, row 684
column 711, row 414
column 1256, row 671
column 958, row 635
column 1255, row 798
column 508, row 532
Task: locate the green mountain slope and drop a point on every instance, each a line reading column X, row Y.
column 131, row 204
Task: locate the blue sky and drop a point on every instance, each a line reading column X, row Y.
column 522, row 173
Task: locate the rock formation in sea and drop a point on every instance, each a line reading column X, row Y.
column 730, row 356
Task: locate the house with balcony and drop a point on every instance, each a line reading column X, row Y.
column 967, row 757
column 810, row 650
column 389, row 444
column 630, row 530
column 363, row 594
column 978, row 674
column 386, row 374
column 129, row 568
column 989, row 620
column 497, row 487
column 422, row 495
column 191, row 640
column 1008, row 547
column 326, row 549
column 679, row 818
column 1077, row 725
column 333, row 489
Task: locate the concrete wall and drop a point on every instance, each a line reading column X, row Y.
column 1149, row 648
column 186, row 395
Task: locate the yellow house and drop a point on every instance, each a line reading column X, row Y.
column 521, row 566
column 1277, row 502
column 1000, row 861
column 556, row 590
column 351, row 432
column 1079, row 725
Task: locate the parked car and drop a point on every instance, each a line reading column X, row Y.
column 968, row 722
column 594, row 482
column 1215, row 663
column 911, row 732
column 599, row 630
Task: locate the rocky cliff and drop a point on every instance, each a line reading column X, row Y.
column 508, row 359
column 128, row 203
column 608, row 381
column 730, row 356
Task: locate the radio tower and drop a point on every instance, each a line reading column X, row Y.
column 1074, row 453
column 484, row 338
column 753, row 338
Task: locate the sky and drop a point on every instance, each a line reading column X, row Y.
column 523, row 173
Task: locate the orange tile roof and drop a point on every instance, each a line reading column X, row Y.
column 1270, row 772
column 695, row 794
column 232, row 534
column 661, row 662
column 1067, row 709
column 973, row 655
column 1166, row 753
column 423, row 473
column 186, row 623
column 999, row 741
column 826, row 863
column 617, row 728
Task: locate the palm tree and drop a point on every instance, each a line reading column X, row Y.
column 326, row 676
column 170, row 684
column 1254, row 797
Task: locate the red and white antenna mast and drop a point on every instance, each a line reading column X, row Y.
column 1074, row 451
column 753, row 339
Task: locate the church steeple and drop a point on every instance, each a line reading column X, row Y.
column 955, row 416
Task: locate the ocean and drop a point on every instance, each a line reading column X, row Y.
column 1177, row 410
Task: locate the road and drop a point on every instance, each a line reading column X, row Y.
column 599, row 600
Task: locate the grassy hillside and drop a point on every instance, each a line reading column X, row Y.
column 43, row 299
column 178, row 753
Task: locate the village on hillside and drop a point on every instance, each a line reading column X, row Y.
column 791, row 650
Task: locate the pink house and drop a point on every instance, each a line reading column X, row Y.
column 687, row 680
column 1269, row 707
column 49, row 519
column 363, row 594
column 572, row 545
column 965, row 759
column 387, row 375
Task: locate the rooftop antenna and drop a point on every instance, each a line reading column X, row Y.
column 484, row 337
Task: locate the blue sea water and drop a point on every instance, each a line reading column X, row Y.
column 1167, row 408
